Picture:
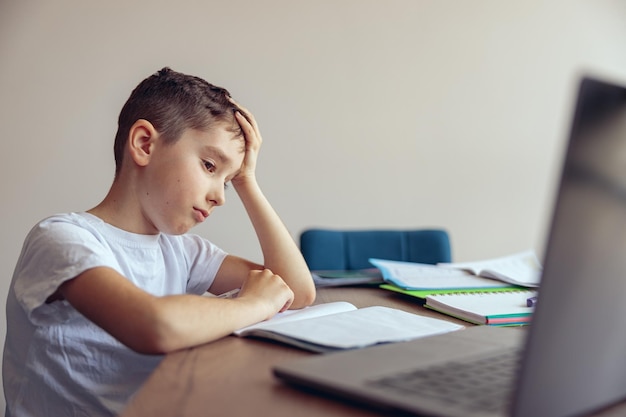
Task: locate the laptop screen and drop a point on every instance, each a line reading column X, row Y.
column 576, row 352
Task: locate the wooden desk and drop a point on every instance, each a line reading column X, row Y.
column 232, row 376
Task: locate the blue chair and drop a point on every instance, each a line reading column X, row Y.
column 325, row 249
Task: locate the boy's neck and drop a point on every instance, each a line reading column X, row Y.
column 120, row 208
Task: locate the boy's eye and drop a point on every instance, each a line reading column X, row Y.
column 210, row 166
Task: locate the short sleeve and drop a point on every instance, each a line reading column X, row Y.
column 205, row 260
column 55, row 251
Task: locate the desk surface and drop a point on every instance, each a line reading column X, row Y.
column 232, row 376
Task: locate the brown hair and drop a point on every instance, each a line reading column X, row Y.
column 174, row 102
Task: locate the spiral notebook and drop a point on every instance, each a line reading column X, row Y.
column 508, row 308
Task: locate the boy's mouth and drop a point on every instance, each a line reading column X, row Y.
column 201, row 214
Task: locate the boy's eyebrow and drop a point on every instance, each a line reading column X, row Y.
column 217, row 152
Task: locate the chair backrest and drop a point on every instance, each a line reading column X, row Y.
column 325, row 249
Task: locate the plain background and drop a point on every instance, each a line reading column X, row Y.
column 375, row 114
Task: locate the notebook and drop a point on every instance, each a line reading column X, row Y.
column 506, row 308
column 571, row 360
column 416, row 276
column 519, row 269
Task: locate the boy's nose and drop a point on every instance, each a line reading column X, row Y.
column 217, row 196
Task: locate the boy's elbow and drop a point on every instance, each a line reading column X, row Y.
column 304, row 297
column 310, row 296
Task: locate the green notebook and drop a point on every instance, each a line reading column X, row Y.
column 490, row 308
column 474, row 312
column 422, row 294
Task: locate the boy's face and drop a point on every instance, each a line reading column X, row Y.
column 186, row 180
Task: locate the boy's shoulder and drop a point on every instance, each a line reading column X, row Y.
column 83, row 226
column 70, row 220
column 75, row 217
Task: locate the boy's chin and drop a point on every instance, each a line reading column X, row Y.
column 177, row 230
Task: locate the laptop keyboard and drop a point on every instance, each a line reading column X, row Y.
column 479, row 385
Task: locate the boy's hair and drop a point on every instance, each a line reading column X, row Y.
column 174, row 102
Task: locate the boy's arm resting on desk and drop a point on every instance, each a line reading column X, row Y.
column 157, row 325
column 280, row 253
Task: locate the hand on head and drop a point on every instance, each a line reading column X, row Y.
column 253, row 141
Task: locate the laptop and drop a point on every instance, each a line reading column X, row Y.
column 571, row 360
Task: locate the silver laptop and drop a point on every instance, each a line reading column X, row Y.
column 571, row 360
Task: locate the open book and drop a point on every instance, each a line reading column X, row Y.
column 522, row 269
column 416, row 276
column 340, row 325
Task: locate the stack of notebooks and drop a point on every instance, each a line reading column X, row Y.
column 497, row 292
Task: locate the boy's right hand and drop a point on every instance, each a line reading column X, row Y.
column 269, row 289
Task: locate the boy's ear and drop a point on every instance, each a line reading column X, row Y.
column 141, row 138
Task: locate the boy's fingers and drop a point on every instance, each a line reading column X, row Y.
column 245, row 113
column 245, row 116
column 245, row 125
column 250, row 131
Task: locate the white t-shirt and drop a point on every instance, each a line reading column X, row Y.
column 58, row 363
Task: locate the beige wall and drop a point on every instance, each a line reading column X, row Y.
column 396, row 113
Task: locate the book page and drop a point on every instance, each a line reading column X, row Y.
column 359, row 328
column 301, row 314
column 520, row 269
column 416, row 276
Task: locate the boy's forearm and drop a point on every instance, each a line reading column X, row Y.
column 153, row 325
column 280, row 252
column 183, row 321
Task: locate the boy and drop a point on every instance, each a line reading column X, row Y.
column 97, row 297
